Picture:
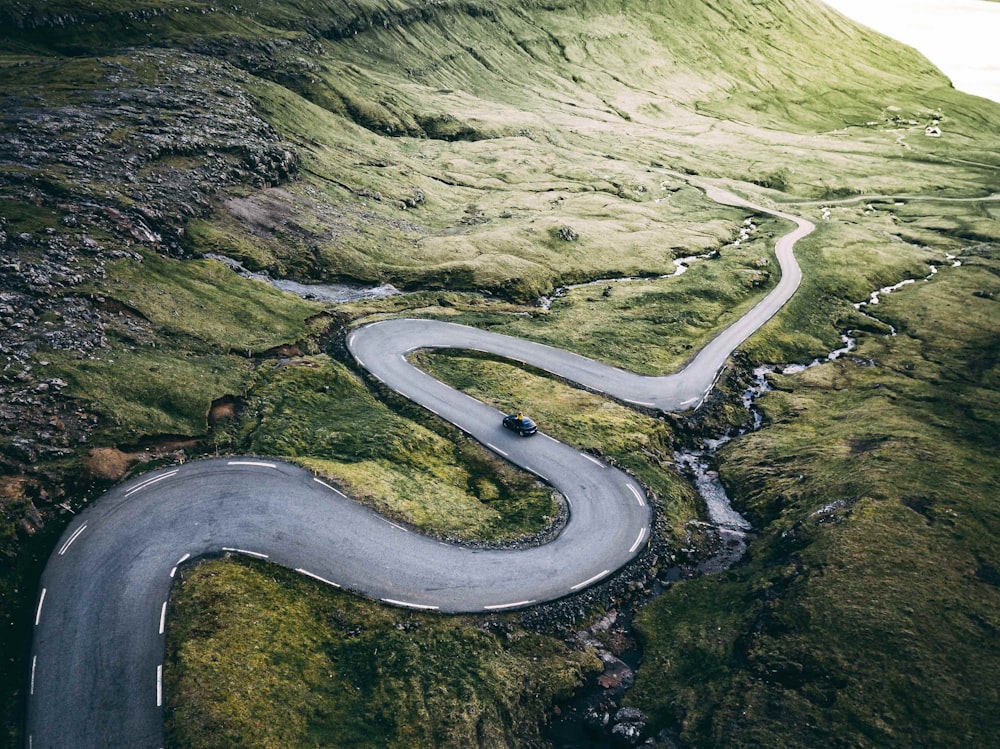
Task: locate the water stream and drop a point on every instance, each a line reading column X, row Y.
column 335, row 293
column 592, row 719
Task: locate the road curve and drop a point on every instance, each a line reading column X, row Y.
column 96, row 667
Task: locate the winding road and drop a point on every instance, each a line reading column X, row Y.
column 96, row 668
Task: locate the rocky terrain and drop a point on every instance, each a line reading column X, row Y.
column 97, row 175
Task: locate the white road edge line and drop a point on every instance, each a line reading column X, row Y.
column 152, row 479
column 72, row 538
column 529, row 469
column 150, row 482
column 358, row 359
column 688, row 402
column 163, row 616
column 638, row 541
column 34, row 662
column 432, row 410
column 335, row 491
column 588, row 581
column 498, row 606
column 638, row 496
column 179, row 563
column 494, row 448
column 398, row 527
column 307, row 573
column 350, row 339
column 159, row 685
column 251, row 463
column 593, row 460
column 244, row 551
column 38, row 612
column 639, row 403
column 410, row 605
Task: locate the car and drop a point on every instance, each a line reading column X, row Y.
column 520, row 423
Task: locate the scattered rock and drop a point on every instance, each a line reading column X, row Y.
column 567, row 233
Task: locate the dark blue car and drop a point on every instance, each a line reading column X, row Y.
column 520, row 423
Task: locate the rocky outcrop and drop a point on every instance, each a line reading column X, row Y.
column 96, row 173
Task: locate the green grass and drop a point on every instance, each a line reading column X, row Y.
column 867, row 611
column 190, row 319
column 639, row 443
column 572, row 113
column 413, row 469
column 258, row 656
column 205, row 300
column 145, row 391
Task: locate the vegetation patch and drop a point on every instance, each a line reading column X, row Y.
column 860, row 614
column 638, row 443
column 415, row 470
column 258, row 656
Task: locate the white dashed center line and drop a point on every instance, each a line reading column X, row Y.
column 159, row 685
column 34, row 662
column 590, row 580
column 593, row 460
column 163, row 616
column 496, row 449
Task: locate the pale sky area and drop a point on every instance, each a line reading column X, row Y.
column 961, row 37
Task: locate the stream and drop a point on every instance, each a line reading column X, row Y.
column 593, row 718
column 335, row 293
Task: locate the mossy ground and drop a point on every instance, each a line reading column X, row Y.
column 294, row 663
column 868, row 606
column 442, row 147
column 320, row 414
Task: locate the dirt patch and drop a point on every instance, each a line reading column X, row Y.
column 265, row 211
column 282, row 352
column 222, row 409
column 107, row 463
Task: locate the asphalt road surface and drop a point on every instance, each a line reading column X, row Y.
column 96, row 669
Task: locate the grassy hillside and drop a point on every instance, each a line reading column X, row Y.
column 867, row 613
column 477, row 153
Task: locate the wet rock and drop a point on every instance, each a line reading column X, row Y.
column 626, row 734
column 567, row 233
column 630, row 715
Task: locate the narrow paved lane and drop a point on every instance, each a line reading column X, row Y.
column 96, row 669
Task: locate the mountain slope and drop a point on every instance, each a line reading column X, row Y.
column 497, row 149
